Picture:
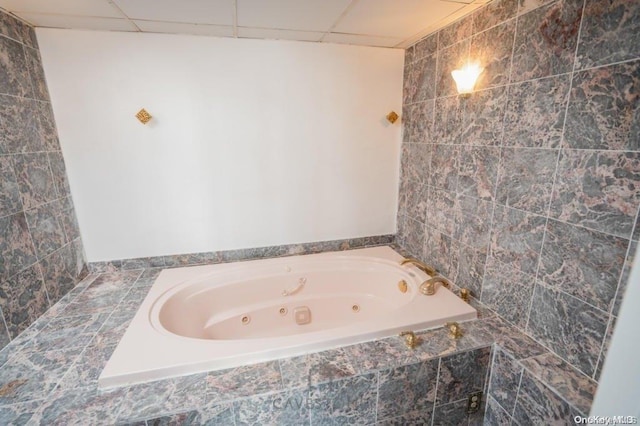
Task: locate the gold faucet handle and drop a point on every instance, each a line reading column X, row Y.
column 464, row 294
column 455, row 332
column 410, row 339
column 423, row 267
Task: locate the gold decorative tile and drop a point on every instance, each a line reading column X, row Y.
column 143, row 116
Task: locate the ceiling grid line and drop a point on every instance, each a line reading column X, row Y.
column 337, row 21
column 377, row 23
column 115, row 6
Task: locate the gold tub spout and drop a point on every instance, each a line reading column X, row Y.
column 455, row 332
column 428, row 288
column 423, row 267
column 410, row 339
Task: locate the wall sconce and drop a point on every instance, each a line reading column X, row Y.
column 466, row 77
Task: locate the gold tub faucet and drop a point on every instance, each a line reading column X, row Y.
column 423, row 267
column 410, row 339
column 455, row 332
column 428, row 288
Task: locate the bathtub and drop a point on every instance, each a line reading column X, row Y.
column 212, row 317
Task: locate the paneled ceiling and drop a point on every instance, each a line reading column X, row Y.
column 383, row 23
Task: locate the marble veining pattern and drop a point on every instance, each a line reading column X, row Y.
column 20, row 126
column 477, row 173
column 546, row 40
column 244, row 381
column 505, row 379
column 316, row 368
column 451, row 413
column 426, row 46
column 408, row 388
column 610, row 33
column 459, row 30
column 34, row 179
column 525, row 178
column 556, row 372
column 23, row 299
column 14, row 78
column 473, row 221
column 568, row 326
column 471, row 274
column 516, row 238
column 583, row 263
column 442, row 252
column 493, row 49
column 495, row 414
column 414, row 232
column 38, row 82
column 604, row 108
column 418, row 122
column 562, row 113
column 535, row 112
column 537, row 404
column 440, row 210
column 9, row 193
column 346, row 401
column 48, row 130
column 495, row 13
column 507, row 291
column 484, row 117
column 462, row 374
column 46, row 228
column 289, row 408
column 624, row 278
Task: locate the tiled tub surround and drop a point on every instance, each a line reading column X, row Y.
column 207, row 258
column 528, row 191
column 41, row 254
column 49, row 374
column 195, row 317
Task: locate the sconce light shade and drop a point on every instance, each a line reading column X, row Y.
column 466, row 77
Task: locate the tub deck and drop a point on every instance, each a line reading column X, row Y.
column 148, row 351
column 54, row 367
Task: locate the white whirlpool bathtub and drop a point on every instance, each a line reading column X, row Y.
column 211, row 317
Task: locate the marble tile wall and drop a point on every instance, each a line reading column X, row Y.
column 528, row 191
column 41, row 254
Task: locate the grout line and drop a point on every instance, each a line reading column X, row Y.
column 124, row 15
column 235, row 18
column 600, row 352
column 435, row 393
column 631, row 242
column 6, row 327
column 515, row 402
column 344, row 13
column 560, row 148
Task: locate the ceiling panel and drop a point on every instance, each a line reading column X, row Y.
column 77, row 22
column 361, row 40
column 63, row 7
column 273, row 34
column 307, row 15
column 181, row 28
column 218, row 12
column 397, row 18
